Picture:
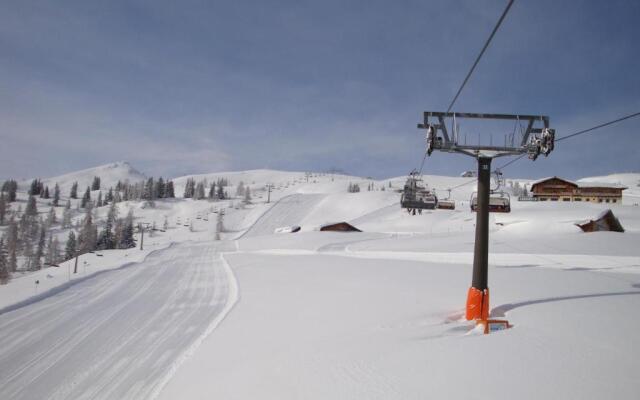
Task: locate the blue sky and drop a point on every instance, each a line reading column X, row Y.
column 200, row 86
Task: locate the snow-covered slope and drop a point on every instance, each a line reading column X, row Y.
column 109, row 175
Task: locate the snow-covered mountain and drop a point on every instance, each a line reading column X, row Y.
column 109, row 175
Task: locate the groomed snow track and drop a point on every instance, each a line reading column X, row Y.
column 119, row 335
column 288, row 211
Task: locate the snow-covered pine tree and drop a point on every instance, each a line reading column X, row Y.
column 221, row 193
column 247, row 195
column 127, row 240
column 55, row 251
column 51, row 218
column 160, row 189
column 70, row 247
column 212, row 191
column 147, row 192
column 3, row 208
column 74, row 191
column 86, row 198
column 12, row 244
column 56, row 195
column 40, row 247
column 34, row 188
column 5, row 273
column 106, row 240
column 87, row 236
column 169, row 191
column 108, row 198
column 10, row 187
column 95, row 185
column 199, row 195
column 240, row 189
column 32, row 208
column 66, row 215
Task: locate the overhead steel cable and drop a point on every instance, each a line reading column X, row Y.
column 579, row 133
column 598, row 126
column 495, row 29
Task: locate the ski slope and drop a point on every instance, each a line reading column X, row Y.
column 119, row 335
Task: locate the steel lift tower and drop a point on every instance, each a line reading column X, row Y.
column 537, row 139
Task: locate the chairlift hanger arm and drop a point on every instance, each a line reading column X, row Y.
column 542, row 142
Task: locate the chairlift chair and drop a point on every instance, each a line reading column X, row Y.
column 415, row 196
column 498, row 202
column 448, row 203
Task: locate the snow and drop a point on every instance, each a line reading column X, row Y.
column 372, row 314
column 109, row 175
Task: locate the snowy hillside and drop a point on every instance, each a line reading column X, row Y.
column 372, row 314
column 109, row 174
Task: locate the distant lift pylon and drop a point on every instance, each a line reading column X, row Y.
column 537, row 139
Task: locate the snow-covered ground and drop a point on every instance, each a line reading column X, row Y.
column 376, row 314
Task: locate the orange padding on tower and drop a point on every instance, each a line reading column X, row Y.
column 477, row 304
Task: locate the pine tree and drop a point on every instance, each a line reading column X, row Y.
column 66, row 215
column 199, row 195
column 99, row 201
column 127, row 240
column 147, row 193
column 32, row 208
column 34, row 189
column 160, row 189
column 212, row 191
column 56, row 195
column 40, row 249
column 87, row 237
column 3, row 208
column 106, row 241
column 189, row 188
column 74, row 191
column 169, row 191
column 95, row 185
column 10, row 187
column 240, row 189
column 51, row 217
column 12, row 244
column 86, row 198
column 221, row 192
column 109, row 197
column 55, row 251
column 247, row 195
column 5, row 273
column 70, row 247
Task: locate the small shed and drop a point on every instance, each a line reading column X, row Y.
column 339, row 227
column 606, row 221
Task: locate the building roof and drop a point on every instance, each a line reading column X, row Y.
column 583, row 184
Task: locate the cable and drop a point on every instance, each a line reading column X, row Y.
column 511, row 162
column 579, row 133
column 495, row 29
column 599, row 126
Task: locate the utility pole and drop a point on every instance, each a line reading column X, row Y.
column 269, row 187
column 535, row 141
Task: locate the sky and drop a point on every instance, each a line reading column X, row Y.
column 181, row 87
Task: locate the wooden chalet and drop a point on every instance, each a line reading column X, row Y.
column 558, row 189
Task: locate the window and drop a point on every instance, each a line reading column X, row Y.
column 578, row 199
column 543, row 199
column 614, row 200
column 554, row 199
column 566, row 199
column 599, row 200
column 607, row 200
